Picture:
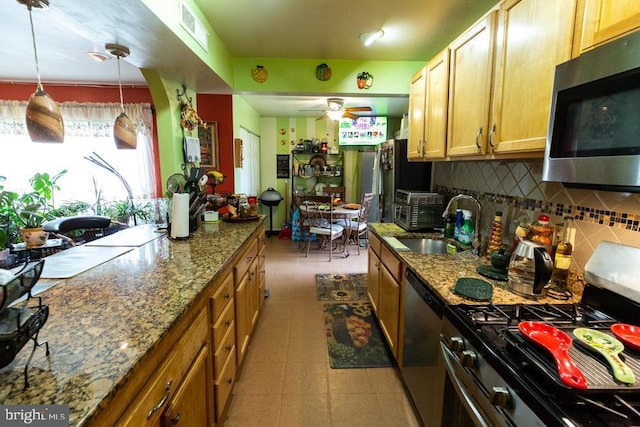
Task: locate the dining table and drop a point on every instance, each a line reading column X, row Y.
column 346, row 212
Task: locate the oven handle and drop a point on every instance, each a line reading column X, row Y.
column 464, row 396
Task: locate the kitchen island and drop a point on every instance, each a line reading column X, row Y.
column 111, row 327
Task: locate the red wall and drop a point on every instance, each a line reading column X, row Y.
column 219, row 108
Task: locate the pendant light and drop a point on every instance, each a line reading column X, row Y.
column 43, row 117
column 124, row 132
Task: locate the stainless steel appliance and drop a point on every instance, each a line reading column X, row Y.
column 496, row 376
column 530, row 270
column 397, row 172
column 417, row 210
column 422, row 365
column 593, row 135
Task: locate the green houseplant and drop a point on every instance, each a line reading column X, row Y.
column 27, row 212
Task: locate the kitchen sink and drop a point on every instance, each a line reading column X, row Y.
column 425, row 246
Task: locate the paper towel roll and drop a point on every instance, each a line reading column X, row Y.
column 180, row 215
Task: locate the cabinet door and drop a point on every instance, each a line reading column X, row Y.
column 242, row 318
column 373, row 280
column 470, row 88
column 253, row 309
column 605, row 20
column 389, row 313
column 189, row 405
column 437, row 94
column 532, row 38
column 417, row 96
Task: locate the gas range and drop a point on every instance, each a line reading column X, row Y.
column 506, row 379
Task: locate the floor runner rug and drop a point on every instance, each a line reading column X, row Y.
column 341, row 287
column 354, row 338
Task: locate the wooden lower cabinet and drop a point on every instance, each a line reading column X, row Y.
column 373, row 283
column 389, row 308
column 183, row 373
column 384, row 278
column 189, row 406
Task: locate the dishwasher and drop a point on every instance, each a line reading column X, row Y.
column 423, row 370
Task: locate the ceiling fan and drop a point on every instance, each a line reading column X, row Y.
column 337, row 110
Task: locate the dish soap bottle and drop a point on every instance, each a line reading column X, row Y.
column 466, row 231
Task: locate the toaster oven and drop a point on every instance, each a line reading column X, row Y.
column 415, row 210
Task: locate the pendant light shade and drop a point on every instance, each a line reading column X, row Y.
column 124, row 132
column 43, row 117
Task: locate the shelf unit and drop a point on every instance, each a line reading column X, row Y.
column 321, row 168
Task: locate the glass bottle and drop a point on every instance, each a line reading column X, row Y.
column 542, row 232
column 562, row 258
column 495, row 238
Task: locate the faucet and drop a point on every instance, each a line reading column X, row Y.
column 453, row 204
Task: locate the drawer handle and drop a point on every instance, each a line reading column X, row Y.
column 229, row 380
column 227, row 322
column 175, row 419
column 228, row 347
column 227, row 295
column 167, row 391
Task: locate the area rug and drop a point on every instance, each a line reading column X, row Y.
column 354, row 338
column 341, row 287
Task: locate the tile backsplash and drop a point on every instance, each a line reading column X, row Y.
column 515, row 188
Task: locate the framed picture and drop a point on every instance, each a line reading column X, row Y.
column 209, row 145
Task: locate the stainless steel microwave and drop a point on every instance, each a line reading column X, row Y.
column 593, row 139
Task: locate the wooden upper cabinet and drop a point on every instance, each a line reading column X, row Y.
column 417, row 96
column 470, row 88
column 437, row 95
column 532, row 38
column 605, row 20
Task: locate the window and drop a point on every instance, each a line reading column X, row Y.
column 88, row 130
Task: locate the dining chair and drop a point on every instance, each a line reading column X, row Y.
column 318, row 216
column 334, row 192
column 358, row 227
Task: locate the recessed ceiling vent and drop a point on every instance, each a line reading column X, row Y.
column 194, row 26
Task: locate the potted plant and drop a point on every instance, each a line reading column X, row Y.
column 28, row 211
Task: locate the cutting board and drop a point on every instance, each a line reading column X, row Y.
column 133, row 237
column 76, row 260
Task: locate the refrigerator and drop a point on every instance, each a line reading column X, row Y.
column 386, row 169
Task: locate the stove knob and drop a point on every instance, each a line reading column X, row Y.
column 468, row 359
column 499, row 396
column 456, row 344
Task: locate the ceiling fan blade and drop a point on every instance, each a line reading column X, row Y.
column 349, row 115
column 357, row 109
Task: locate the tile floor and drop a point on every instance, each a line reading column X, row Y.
column 286, row 379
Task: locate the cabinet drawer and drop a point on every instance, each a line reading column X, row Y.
column 163, row 385
column 393, row 264
column 223, row 324
column 245, row 260
column 227, row 347
column 224, row 385
column 221, row 298
column 374, row 243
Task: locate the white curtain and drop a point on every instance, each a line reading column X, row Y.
column 249, row 182
column 88, row 129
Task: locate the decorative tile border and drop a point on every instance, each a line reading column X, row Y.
column 622, row 220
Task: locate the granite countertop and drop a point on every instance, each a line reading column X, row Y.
column 103, row 321
column 441, row 271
